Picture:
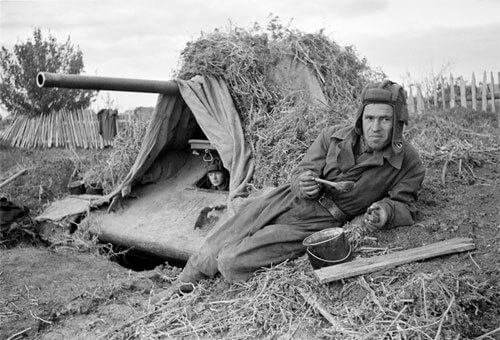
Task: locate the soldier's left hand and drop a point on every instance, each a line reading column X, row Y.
column 375, row 217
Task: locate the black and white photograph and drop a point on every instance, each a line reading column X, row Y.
column 250, row 169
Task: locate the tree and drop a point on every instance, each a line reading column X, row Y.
column 18, row 69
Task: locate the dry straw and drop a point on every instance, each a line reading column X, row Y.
column 275, row 304
column 457, row 141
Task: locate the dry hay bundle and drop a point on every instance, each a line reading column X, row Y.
column 278, row 124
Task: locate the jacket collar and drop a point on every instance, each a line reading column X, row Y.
column 348, row 138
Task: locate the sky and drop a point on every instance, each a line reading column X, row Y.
column 143, row 39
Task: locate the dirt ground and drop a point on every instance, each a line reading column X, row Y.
column 67, row 293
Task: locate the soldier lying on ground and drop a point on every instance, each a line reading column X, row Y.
column 387, row 174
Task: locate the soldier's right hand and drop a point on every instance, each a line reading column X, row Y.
column 308, row 187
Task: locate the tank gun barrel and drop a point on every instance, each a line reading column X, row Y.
column 83, row 82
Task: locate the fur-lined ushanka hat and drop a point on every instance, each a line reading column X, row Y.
column 386, row 92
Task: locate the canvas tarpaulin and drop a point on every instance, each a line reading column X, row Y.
column 214, row 110
column 209, row 101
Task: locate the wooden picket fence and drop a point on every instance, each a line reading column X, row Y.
column 446, row 95
column 77, row 129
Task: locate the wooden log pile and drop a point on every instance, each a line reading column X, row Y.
column 75, row 129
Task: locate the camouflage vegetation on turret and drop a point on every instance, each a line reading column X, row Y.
column 279, row 127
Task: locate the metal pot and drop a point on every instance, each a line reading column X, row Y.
column 327, row 247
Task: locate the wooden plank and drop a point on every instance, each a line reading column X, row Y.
column 473, row 91
column 22, row 136
column 435, row 95
column 484, row 93
column 76, row 123
column 87, row 127
column 452, row 92
column 11, row 131
column 73, row 132
column 34, row 131
column 443, row 97
column 36, row 136
column 420, row 101
column 71, row 128
column 38, row 131
column 7, row 136
column 57, row 130
column 41, row 136
column 47, row 129
column 50, row 126
column 91, row 130
column 4, row 135
column 85, row 130
column 463, row 99
column 68, row 140
column 60, row 135
column 78, row 128
column 95, row 124
column 27, row 133
column 54, row 128
column 411, row 105
column 70, row 143
column 492, row 93
column 367, row 265
column 74, row 128
column 15, row 133
column 13, row 177
column 22, row 133
column 15, row 130
column 64, row 130
column 34, row 124
column 81, row 128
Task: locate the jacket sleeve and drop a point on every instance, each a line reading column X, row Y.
column 402, row 197
column 314, row 159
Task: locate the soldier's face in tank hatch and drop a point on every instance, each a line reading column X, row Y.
column 216, row 178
